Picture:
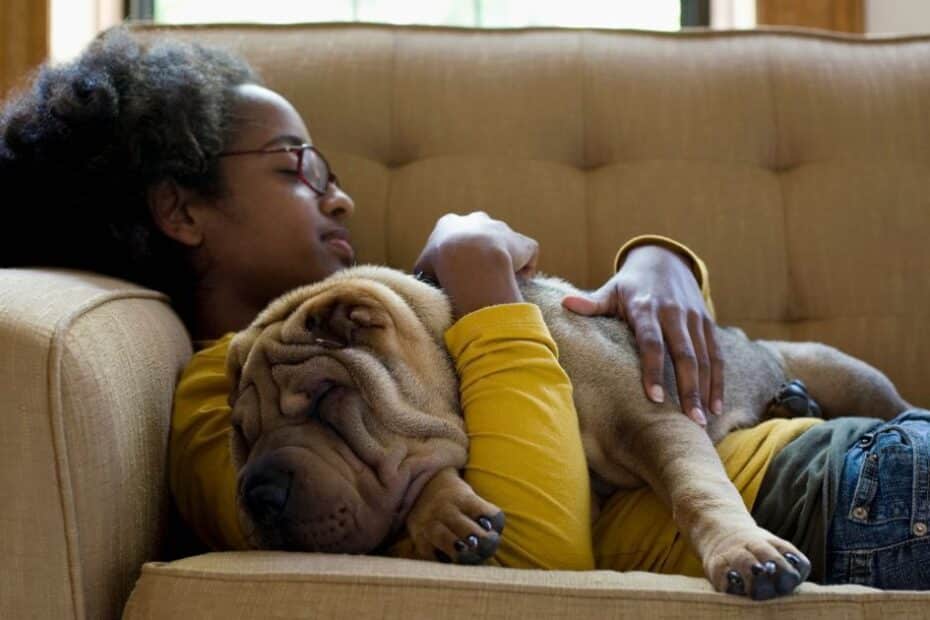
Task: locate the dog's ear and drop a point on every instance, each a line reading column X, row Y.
column 336, row 319
column 340, row 325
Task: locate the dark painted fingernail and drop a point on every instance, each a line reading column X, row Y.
column 770, row 567
column 757, row 569
column 485, row 523
column 442, row 557
column 795, row 560
column 459, row 545
column 472, row 541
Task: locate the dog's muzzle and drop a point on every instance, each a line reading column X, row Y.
column 265, row 493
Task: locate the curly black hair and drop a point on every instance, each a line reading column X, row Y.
column 83, row 146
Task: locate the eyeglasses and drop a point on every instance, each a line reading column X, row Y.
column 312, row 167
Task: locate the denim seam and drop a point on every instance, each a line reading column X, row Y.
column 920, row 490
column 866, row 487
column 874, row 550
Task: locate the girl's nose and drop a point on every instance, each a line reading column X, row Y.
column 336, row 203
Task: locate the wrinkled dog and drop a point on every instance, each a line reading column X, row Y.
column 348, row 427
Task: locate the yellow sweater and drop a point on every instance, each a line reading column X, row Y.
column 525, row 450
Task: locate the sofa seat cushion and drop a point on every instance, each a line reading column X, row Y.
column 304, row 585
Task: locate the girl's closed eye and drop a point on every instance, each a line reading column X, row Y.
column 287, row 167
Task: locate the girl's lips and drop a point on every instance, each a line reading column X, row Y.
column 341, row 247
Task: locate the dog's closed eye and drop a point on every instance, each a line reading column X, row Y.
column 328, row 343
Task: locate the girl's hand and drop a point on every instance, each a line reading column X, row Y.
column 656, row 293
column 477, row 260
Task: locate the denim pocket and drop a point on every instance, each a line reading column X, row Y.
column 884, row 490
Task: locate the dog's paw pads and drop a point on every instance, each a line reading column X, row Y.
column 768, row 581
column 494, row 523
column 800, row 564
column 476, row 549
column 793, row 401
column 764, row 579
column 735, row 583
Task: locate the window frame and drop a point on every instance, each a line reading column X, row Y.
column 694, row 13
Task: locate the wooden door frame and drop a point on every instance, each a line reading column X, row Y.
column 24, row 40
column 836, row 15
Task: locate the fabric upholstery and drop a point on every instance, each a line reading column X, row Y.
column 87, row 370
column 796, row 164
column 290, row 585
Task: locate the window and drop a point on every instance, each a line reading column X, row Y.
column 651, row 14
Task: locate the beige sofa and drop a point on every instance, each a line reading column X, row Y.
column 796, row 164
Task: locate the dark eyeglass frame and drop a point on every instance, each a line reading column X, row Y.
column 300, row 149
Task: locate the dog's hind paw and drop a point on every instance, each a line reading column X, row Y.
column 758, row 565
column 793, row 401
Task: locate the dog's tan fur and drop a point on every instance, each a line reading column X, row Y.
column 393, row 436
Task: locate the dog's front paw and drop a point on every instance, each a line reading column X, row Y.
column 756, row 563
column 451, row 523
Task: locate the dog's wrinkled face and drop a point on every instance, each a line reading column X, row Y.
column 344, row 406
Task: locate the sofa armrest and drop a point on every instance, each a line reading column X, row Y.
column 88, row 366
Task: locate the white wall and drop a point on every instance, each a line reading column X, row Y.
column 739, row 14
column 897, row 16
column 73, row 23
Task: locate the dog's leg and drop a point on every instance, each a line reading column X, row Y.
column 678, row 460
column 449, row 522
column 841, row 384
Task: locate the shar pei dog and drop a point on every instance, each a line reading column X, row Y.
column 348, row 428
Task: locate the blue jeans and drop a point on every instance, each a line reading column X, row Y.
column 879, row 533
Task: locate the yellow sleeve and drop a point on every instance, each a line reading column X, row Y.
column 697, row 265
column 201, row 474
column 525, row 451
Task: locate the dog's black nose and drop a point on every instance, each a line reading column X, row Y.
column 266, row 494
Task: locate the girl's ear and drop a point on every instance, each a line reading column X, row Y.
column 170, row 206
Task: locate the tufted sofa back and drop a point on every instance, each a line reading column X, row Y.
column 796, row 165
